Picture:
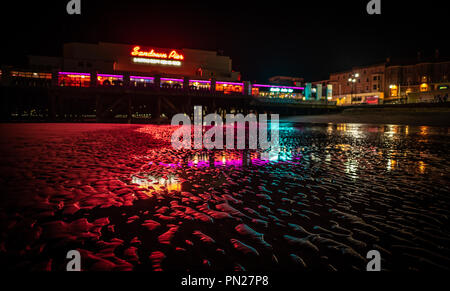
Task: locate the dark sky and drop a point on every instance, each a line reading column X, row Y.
column 307, row 39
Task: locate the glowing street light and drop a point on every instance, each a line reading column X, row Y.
column 352, row 80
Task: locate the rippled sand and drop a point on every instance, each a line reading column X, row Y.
column 127, row 201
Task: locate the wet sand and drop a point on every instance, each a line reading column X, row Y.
column 121, row 196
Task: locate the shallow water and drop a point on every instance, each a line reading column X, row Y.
column 127, row 201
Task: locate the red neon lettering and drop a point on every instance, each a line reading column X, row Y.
column 152, row 54
column 175, row 55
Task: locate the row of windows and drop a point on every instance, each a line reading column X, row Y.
column 75, row 80
column 31, row 75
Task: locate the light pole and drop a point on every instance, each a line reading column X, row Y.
column 352, row 80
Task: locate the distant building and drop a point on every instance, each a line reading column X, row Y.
column 420, row 80
column 322, row 90
column 360, row 85
column 423, row 80
column 286, row 80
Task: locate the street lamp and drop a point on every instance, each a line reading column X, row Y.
column 353, row 81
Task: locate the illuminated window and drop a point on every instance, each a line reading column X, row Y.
column 137, row 81
column 393, row 90
column 74, row 80
column 171, row 83
column 276, row 92
column 109, row 80
column 229, row 88
column 199, row 85
column 31, row 75
column 423, row 87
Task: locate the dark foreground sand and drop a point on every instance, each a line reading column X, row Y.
column 127, row 201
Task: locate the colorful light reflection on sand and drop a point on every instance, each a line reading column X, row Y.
column 156, row 184
column 236, row 158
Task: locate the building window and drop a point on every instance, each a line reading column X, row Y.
column 393, row 90
column 199, row 85
column 171, row 83
column 423, row 87
column 74, row 80
column 137, row 81
column 229, row 88
column 375, row 87
column 31, row 75
column 109, row 80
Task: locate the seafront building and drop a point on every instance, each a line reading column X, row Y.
column 126, row 65
column 393, row 82
column 130, row 65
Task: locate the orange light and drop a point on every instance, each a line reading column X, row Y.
column 159, row 55
column 424, row 87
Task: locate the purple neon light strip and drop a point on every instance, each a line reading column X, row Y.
column 200, row 81
column 230, row 83
column 138, row 77
column 169, row 79
column 276, row 86
column 70, row 73
column 107, row 75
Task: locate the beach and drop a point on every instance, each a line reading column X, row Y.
column 122, row 197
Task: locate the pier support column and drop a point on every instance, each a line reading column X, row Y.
column 213, row 85
column 98, row 108
column 126, row 80
column 186, row 84
column 157, row 82
column 188, row 108
column 55, row 75
column 93, row 79
column 247, row 88
column 158, row 109
column 129, row 111
column 52, row 107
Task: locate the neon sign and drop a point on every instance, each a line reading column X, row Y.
column 156, row 61
column 283, row 90
column 158, row 55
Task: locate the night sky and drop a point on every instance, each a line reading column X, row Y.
column 307, row 39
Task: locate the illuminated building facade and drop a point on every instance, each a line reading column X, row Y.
column 123, row 59
column 119, row 65
column 277, row 91
column 423, row 81
column 360, row 85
